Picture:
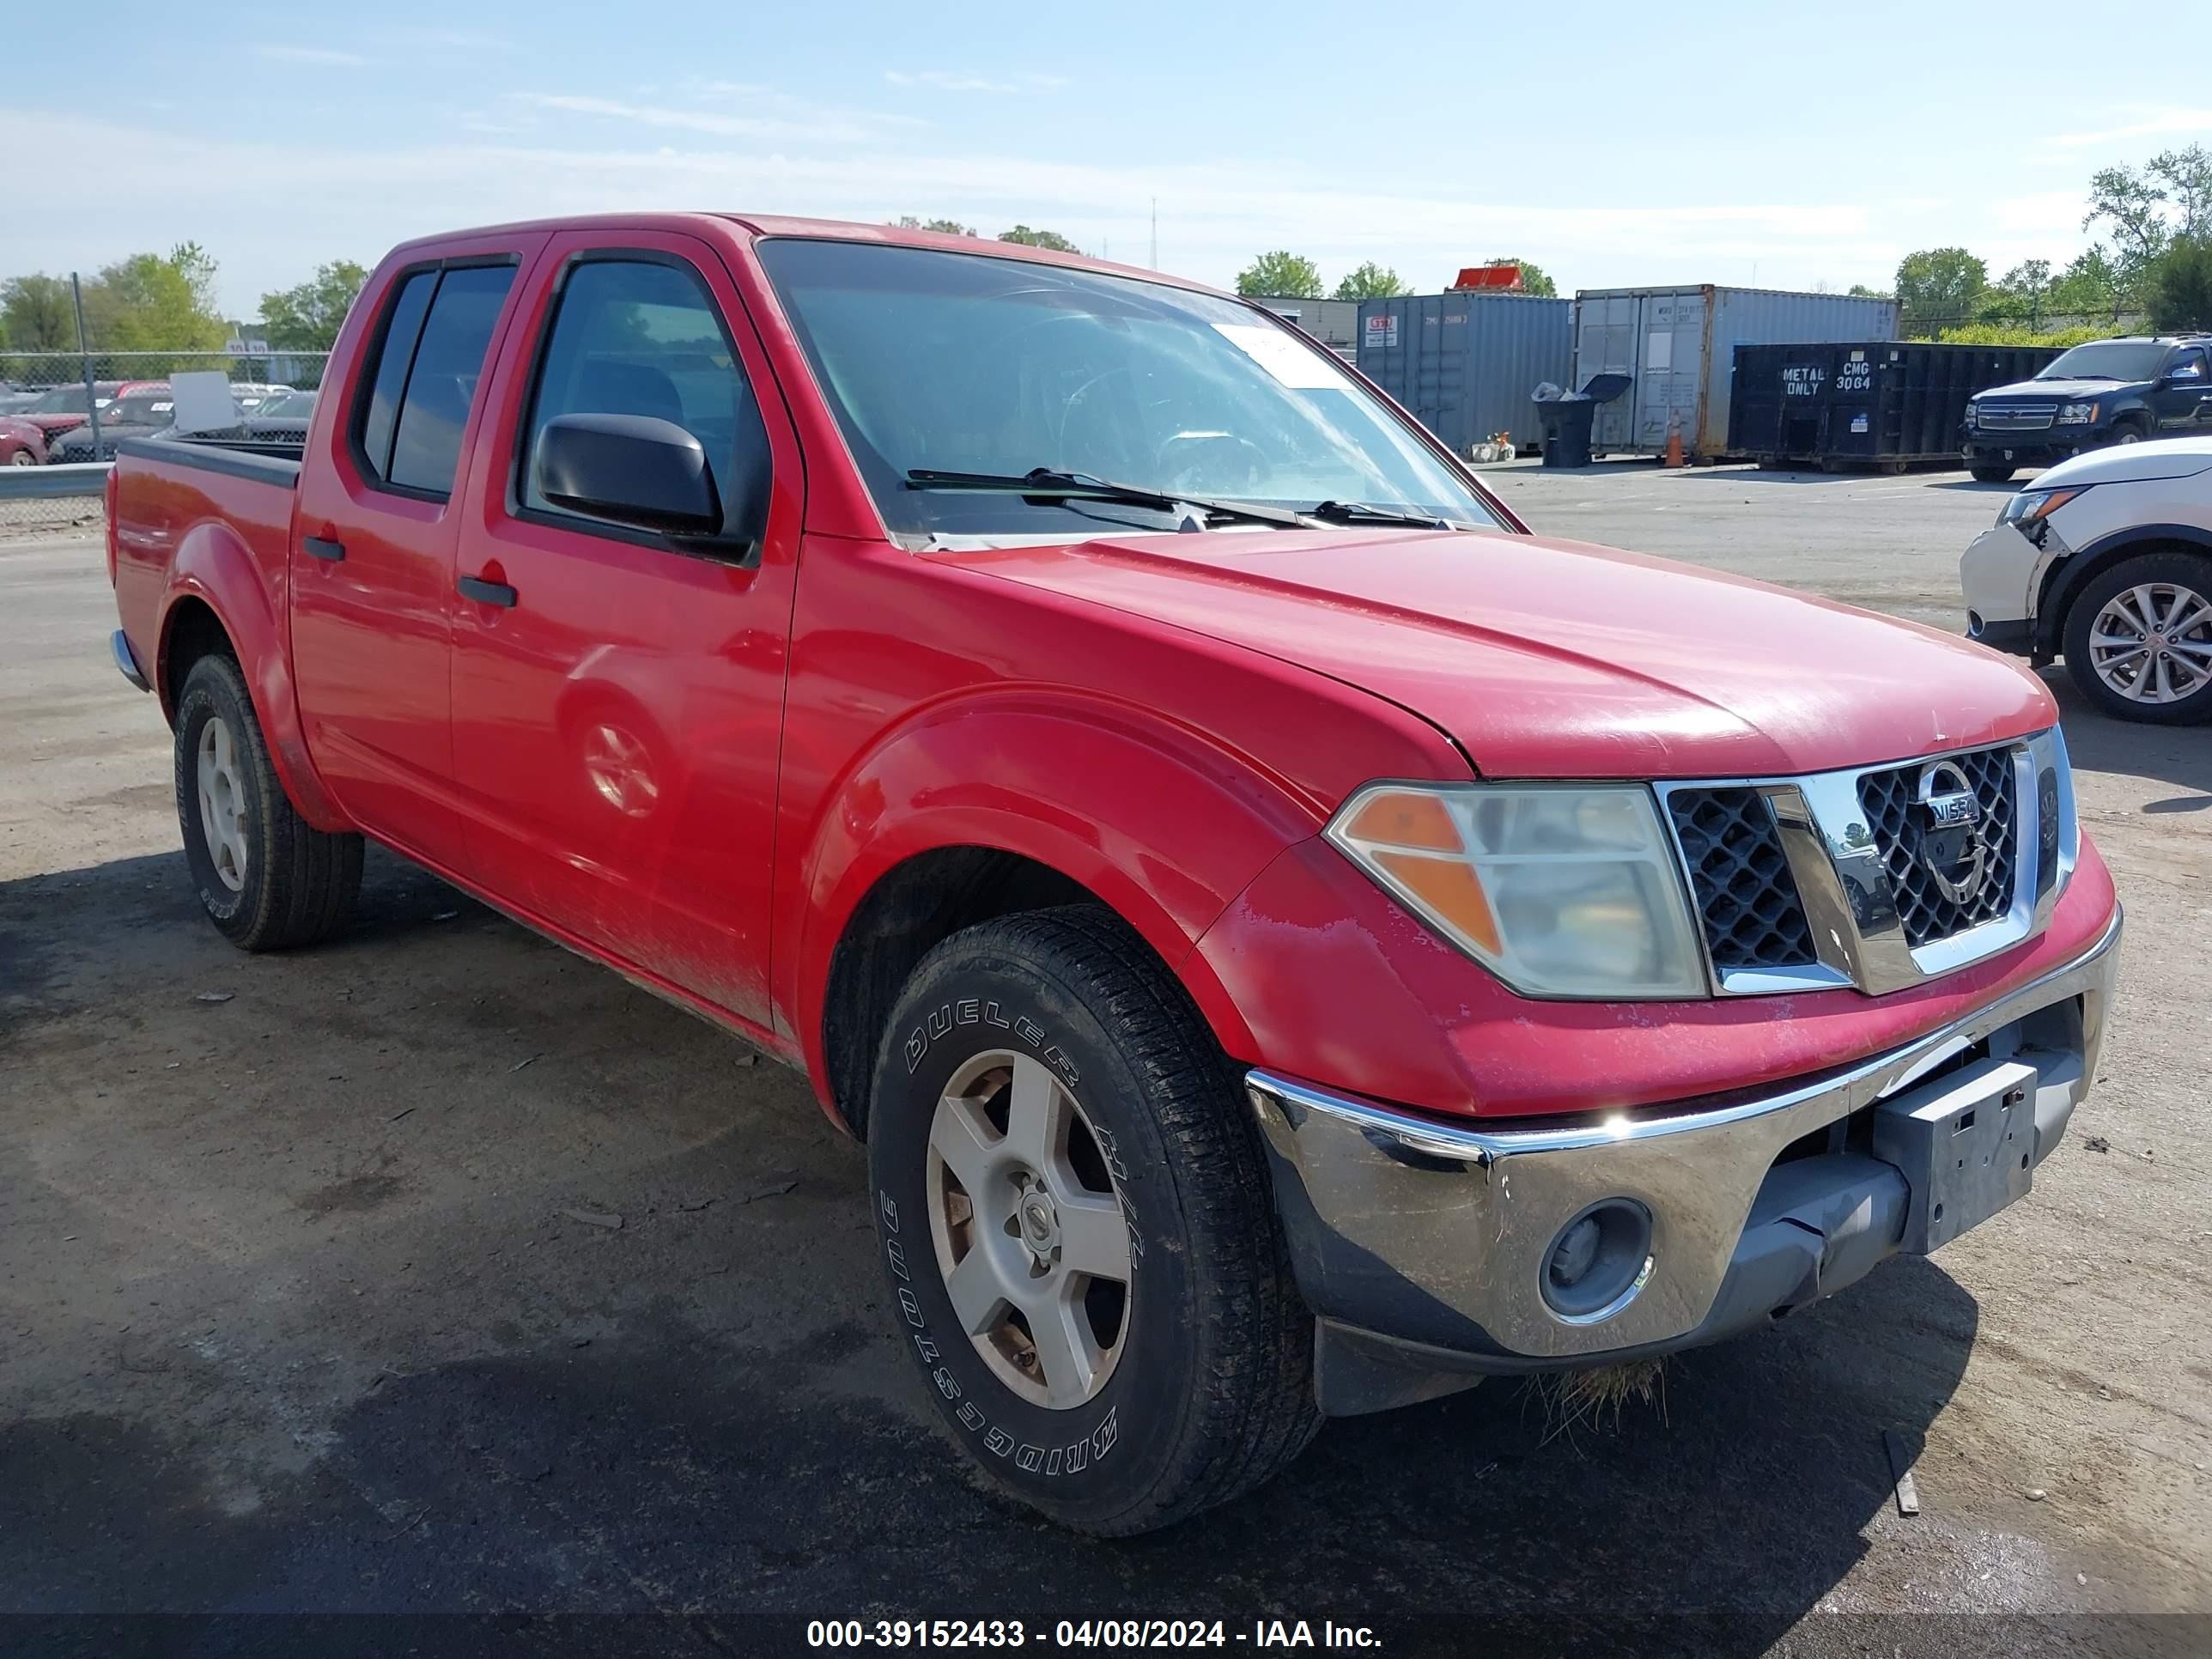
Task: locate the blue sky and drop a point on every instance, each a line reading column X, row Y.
column 1785, row 143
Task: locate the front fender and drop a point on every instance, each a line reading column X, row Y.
column 215, row 565
column 1159, row 822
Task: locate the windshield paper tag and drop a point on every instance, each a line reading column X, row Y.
column 1290, row 362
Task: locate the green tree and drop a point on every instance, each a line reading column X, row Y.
column 2022, row 292
column 1534, row 279
column 948, row 226
column 2089, row 286
column 37, row 313
column 306, row 318
column 2179, row 286
column 1281, row 273
column 2185, row 175
column 150, row 303
column 1370, row 282
column 1860, row 290
column 2133, row 202
column 1028, row 238
column 1936, row 286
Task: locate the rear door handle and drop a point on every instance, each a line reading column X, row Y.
column 484, row 592
column 316, row 547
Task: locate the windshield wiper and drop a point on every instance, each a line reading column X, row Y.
column 1045, row 484
column 2114, row 378
column 1366, row 513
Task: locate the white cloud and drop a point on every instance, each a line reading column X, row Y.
column 818, row 125
column 2055, row 210
column 1213, row 214
column 947, row 81
column 2146, row 123
column 327, row 57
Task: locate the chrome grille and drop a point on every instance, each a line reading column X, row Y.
column 1928, row 914
column 2014, row 417
column 1747, row 898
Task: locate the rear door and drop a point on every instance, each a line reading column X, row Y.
column 618, row 692
column 372, row 554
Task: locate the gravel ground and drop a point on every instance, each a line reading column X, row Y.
column 308, row 1302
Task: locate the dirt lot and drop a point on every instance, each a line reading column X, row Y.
column 297, row 1313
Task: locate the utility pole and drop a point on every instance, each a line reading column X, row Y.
column 84, row 360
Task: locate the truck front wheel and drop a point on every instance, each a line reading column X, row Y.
column 1991, row 471
column 1074, row 1209
column 266, row 879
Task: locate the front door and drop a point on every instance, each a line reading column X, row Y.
column 2183, row 396
column 372, row 562
column 618, row 692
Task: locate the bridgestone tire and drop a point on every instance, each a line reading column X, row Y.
column 300, row 883
column 1212, row 1391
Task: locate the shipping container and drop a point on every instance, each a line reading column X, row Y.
column 1869, row 403
column 1464, row 364
column 1678, row 346
column 1334, row 323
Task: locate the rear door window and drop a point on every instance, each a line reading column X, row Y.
column 449, row 360
column 428, row 361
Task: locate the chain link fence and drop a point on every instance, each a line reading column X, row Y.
column 64, row 406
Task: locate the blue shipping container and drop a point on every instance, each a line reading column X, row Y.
column 1464, row 364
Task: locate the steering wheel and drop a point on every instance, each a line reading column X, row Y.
column 1211, row 462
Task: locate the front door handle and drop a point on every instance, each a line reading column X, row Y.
column 484, row 592
column 316, row 547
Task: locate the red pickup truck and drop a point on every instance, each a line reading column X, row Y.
column 1293, row 941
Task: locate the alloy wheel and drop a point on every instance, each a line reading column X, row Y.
column 2153, row 643
column 223, row 802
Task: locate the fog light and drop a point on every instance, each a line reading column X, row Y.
column 1598, row 1261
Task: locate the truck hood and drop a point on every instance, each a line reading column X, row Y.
column 2061, row 390
column 1555, row 658
column 2161, row 457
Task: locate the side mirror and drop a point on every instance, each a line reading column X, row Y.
column 630, row 469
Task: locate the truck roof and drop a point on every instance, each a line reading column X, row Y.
column 841, row 230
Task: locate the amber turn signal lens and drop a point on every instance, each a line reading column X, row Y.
column 1403, row 818
column 1450, row 891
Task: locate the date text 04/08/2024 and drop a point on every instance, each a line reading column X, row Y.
column 1086, row 1633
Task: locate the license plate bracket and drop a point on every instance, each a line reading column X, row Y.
column 1965, row 1145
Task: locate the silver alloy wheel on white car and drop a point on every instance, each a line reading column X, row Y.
column 1028, row 1227
column 2153, row 643
column 222, row 803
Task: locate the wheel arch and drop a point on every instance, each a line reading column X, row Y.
column 2064, row 582
column 217, row 599
column 984, row 809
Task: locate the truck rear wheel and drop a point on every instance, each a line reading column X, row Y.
column 266, row 879
column 1074, row 1208
column 2139, row 639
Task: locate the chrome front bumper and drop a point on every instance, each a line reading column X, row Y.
column 1436, row 1238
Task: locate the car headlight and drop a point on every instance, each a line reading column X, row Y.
column 2076, row 414
column 2031, row 507
column 1560, row 889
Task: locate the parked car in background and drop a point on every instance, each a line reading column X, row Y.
column 58, row 408
column 2106, row 560
column 2107, row 391
column 141, row 413
column 21, row 442
column 15, row 398
column 280, row 422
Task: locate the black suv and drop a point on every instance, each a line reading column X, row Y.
column 2107, row 391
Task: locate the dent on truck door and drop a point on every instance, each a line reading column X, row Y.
column 372, row 557
column 618, row 695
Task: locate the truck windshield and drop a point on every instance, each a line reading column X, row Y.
column 940, row 362
column 2108, row 360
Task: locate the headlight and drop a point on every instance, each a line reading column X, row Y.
column 2076, row 414
column 1560, row 889
column 2032, row 507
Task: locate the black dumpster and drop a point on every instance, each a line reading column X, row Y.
column 1567, row 418
column 1879, row 403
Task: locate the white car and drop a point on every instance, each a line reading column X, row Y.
column 2106, row 560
